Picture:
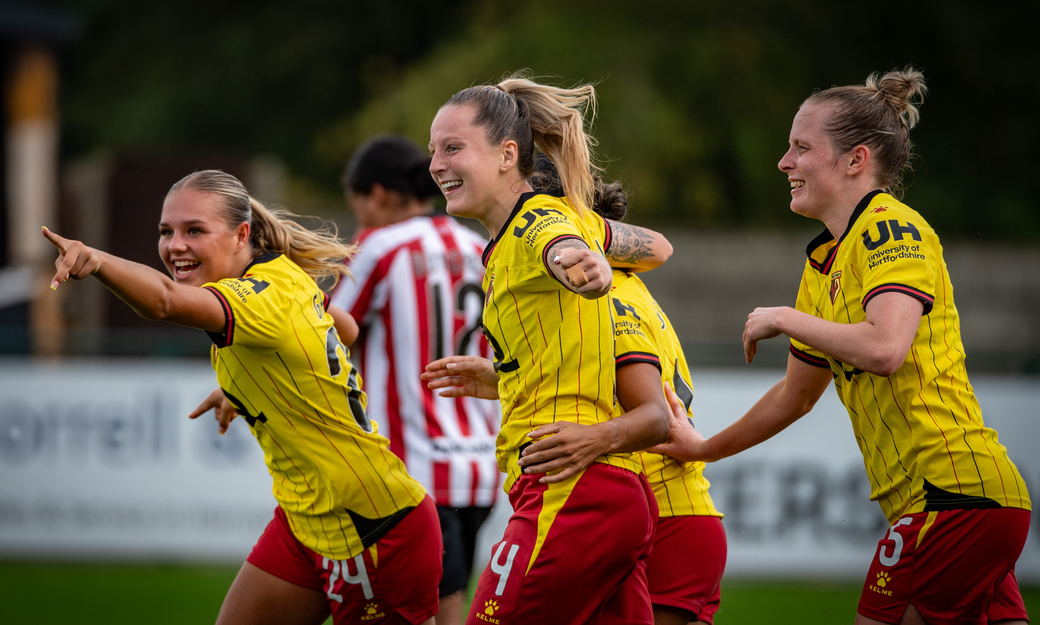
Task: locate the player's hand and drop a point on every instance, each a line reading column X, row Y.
column 761, row 324
column 75, row 260
column 462, row 376
column 224, row 412
column 565, row 447
column 589, row 273
column 684, row 442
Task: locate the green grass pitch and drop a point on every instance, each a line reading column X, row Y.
column 44, row 593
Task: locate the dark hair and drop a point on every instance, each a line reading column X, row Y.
column 396, row 163
column 534, row 115
column 609, row 199
column 878, row 114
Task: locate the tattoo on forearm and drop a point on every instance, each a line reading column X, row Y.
column 630, row 244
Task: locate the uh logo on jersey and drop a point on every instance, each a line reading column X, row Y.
column 889, row 229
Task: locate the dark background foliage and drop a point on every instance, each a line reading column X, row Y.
column 696, row 97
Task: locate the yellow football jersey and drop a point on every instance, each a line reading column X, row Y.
column 281, row 363
column 920, row 430
column 643, row 333
column 554, row 349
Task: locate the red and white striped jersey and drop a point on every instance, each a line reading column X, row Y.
column 417, row 297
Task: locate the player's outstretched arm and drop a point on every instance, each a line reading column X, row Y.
column 571, row 447
column 462, row 376
column 782, row 405
column 637, row 248
column 150, row 293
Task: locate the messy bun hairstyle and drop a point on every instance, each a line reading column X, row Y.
column 878, row 114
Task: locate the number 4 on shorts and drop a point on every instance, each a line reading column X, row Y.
column 503, row 569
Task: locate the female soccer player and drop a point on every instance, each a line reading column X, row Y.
column 353, row 534
column 875, row 313
column 684, row 569
column 417, row 296
column 570, row 553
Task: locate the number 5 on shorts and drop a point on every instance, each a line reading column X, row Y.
column 503, row 569
column 890, row 560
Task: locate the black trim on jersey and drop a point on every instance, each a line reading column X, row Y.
column 524, row 198
column 895, row 287
column 631, row 358
column 225, row 337
column 608, row 238
column 505, row 226
column 325, row 300
column 826, row 237
column 266, row 257
column 371, row 530
column 809, row 359
column 936, row 498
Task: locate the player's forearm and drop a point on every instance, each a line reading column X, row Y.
column 144, row 289
column 638, row 429
column 778, row 408
column 878, row 347
column 637, row 248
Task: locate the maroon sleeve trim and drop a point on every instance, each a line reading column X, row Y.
column 631, row 358
column 226, row 337
column 925, row 298
column 809, row 359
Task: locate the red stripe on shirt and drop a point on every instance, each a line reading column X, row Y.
column 425, row 315
column 456, row 264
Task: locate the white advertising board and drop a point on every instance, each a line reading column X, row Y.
column 99, row 460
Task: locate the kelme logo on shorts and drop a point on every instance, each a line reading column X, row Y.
column 488, row 613
column 882, row 582
column 372, row 612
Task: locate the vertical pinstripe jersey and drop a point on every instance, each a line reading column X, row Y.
column 417, row 297
column 280, row 362
column 642, row 333
column 554, row 349
column 920, row 430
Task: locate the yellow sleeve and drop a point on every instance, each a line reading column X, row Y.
column 898, row 252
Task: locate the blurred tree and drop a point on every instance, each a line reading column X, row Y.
column 696, row 97
column 247, row 77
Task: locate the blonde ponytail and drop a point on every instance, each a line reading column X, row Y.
column 318, row 252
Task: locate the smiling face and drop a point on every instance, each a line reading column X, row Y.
column 195, row 243
column 812, row 166
column 477, row 178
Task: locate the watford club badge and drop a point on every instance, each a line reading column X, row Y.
column 835, row 285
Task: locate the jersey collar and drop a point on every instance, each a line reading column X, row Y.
column 505, row 226
column 821, row 258
column 266, row 257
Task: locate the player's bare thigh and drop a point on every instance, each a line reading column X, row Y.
column 258, row 598
column 910, row 617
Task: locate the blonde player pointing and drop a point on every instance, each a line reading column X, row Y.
column 353, row 535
